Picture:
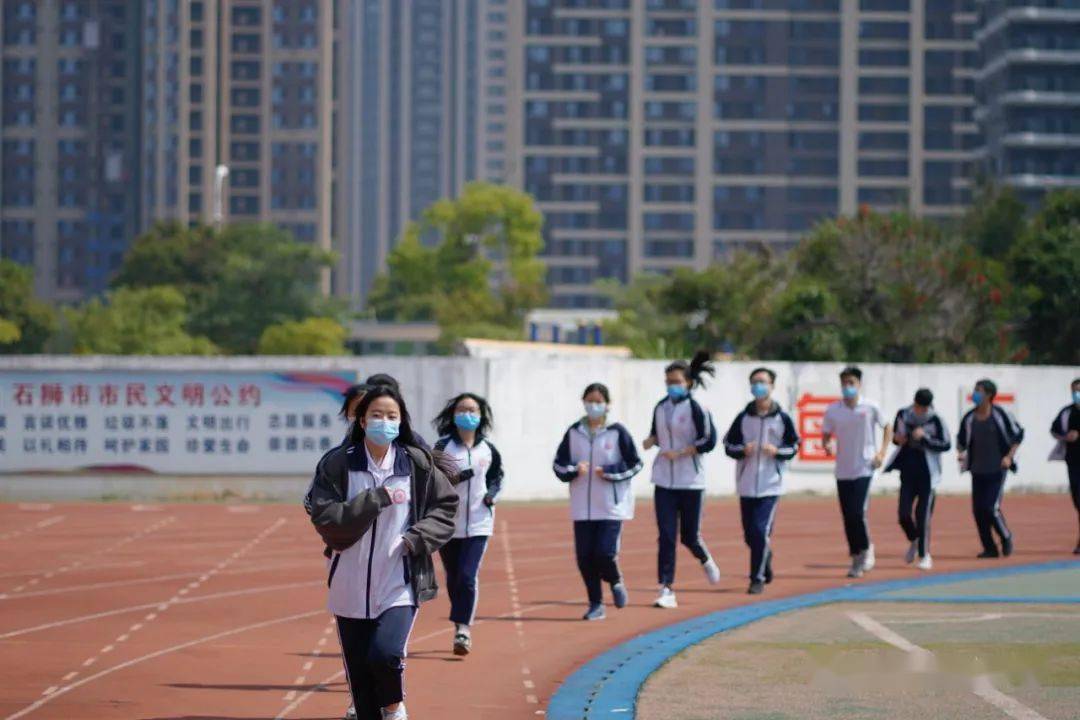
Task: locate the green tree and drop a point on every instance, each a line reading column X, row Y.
column 29, row 322
column 1046, row 264
column 135, row 321
column 238, row 281
column 313, row 336
column 726, row 305
column 480, row 278
column 995, row 221
column 895, row 288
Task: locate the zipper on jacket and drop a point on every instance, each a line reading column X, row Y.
column 761, row 439
column 671, row 443
column 588, row 487
column 371, row 559
column 468, row 495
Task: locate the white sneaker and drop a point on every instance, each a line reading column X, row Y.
column 926, row 563
column 712, row 571
column 868, row 560
column 666, row 599
column 912, row 552
column 398, row 714
column 350, row 714
column 856, row 570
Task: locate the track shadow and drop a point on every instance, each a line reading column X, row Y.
column 442, row 655
column 530, row 618
column 325, row 688
column 316, row 655
column 230, row 717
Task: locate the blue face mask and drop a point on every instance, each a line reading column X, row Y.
column 382, row 432
column 977, row 397
column 595, row 411
column 850, row 392
column 759, row 390
column 1076, row 397
column 677, row 392
column 467, row 420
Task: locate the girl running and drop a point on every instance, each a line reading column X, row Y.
column 463, row 426
column 384, row 506
column 683, row 430
column 598, row 459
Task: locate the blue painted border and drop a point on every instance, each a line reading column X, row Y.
column 608, row 685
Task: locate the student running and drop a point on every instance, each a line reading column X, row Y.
column 598, row 460
column 684, row 431
column 921, row 437
column 384, row 506
column 1066, row 430
column 763, row 440
column 988, row 439
column 852, row 423
column 463, row 427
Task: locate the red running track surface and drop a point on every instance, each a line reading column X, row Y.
column 215, row 611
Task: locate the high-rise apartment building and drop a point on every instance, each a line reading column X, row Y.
column 247, row 85
column 68, row 139
column 666, row 133
column 1029, row 94
column 423, row 92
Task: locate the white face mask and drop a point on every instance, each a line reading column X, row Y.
column 595, row 411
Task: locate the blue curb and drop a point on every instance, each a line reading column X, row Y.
column 608, row 685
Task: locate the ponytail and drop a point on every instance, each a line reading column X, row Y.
column 695, row 370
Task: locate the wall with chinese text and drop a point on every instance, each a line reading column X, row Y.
column 275, row 416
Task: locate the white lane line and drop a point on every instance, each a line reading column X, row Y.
column 154, row 579
column 14, row 592
column 154, row 655
column 31, row 528
column 981, row 684
column 176, row 599
column 139, row 608
column 415, row 641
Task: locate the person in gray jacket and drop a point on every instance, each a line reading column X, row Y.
column 921, row 437
column 988, row 439
column 763, row 440
column 383, row 506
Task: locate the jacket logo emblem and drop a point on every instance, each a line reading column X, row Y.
column 399, row 496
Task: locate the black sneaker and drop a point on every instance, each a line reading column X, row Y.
column 756, row 588
column 1007, row 546
column 986, row 554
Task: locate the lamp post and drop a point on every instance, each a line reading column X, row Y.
column 220, row 173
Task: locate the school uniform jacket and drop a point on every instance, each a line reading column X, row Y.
column 1064, row 421
column 758, row 475
column 382, row 535
column 1009, row 433
column 611, row 448
column 690, row 425
column 480, row 476
column 929, row 449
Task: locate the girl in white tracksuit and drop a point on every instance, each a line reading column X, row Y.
column 763, row 440
column 463, row 426
column 598, row 460
column 684, row 432
column 383, row 506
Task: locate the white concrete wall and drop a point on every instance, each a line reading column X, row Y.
column 535, row 398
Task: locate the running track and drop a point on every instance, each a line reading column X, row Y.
column 191, row 612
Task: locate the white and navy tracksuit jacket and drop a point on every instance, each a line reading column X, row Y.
column 935, row 442
column 1009, row 433
column 481, row 476
column 612, row 448
column 758, row 475
column 676, row 425
column 372, row 575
